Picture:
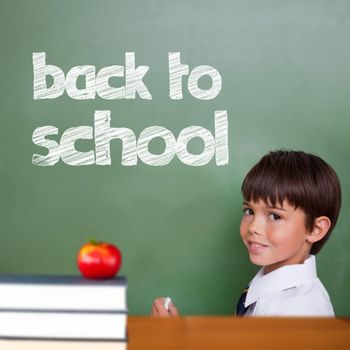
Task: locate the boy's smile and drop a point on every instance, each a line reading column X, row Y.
column 274, row 235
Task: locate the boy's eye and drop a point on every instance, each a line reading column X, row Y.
column 247, row 211
column 275, row 217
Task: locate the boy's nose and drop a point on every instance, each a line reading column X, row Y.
column 255, row 226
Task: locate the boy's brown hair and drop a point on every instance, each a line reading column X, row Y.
column 304, row 180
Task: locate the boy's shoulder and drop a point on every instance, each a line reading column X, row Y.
column 308, row 299
column 292, row 290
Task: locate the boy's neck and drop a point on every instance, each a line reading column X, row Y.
column 270, row 268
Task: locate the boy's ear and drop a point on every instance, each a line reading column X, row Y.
column 321, row 227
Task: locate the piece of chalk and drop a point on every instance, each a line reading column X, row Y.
column 167, row 302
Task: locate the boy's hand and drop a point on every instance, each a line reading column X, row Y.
column 159, row 310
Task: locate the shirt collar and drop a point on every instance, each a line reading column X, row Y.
column 285, row 277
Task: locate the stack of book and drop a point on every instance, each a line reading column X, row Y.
column 46, row 312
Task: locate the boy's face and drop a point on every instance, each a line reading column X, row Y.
column 274, row 236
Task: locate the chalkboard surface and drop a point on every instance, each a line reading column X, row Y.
column 284, row 68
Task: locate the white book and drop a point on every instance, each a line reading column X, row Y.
column 63, row 325
column 15, row 344
column 62, row 293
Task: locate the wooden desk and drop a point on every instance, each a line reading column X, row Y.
column 219, row 333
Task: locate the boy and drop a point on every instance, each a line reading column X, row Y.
column 291, row 205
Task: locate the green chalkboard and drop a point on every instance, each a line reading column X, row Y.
column 284, row 68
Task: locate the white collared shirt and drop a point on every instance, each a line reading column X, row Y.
column 291, row 290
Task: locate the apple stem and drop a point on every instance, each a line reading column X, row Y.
column 92, row 241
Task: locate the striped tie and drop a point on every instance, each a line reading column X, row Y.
column 240, row 308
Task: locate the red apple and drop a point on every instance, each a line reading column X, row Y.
column 99, row 260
